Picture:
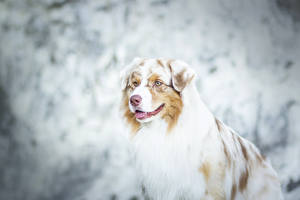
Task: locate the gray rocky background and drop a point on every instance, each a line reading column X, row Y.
column 61, row 136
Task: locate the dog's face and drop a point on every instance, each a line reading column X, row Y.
column 152, row 90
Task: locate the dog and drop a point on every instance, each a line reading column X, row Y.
column 181, row 150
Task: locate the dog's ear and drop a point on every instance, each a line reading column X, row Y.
column 181, row 74
column 125, row 73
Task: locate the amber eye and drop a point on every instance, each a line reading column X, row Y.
column 158, row 83
column 135, row 83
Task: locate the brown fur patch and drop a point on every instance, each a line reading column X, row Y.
column 244, row 150
column 243, row 180
column 152, row 79
column 233, row 191
column 129, row 116
column 179, row 81
column 225, row 148
column 214, row 177
column 206, row 170
column 216, row 189
column 172, row 110
column 160, row 63
column 234, row 136
column 169, row 64
column 168, row 96
column 142, row 63
column 226, row 153
column 135, row 76
column 219, row 124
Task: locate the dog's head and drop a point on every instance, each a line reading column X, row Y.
column 152, row 90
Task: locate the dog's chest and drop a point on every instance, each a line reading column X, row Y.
column 166, row 163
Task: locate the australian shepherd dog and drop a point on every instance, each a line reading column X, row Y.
column 181, row 150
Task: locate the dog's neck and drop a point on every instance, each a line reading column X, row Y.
column 195, row 112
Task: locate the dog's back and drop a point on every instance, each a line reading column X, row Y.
column 247, row 172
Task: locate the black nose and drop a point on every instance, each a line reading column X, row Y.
column 135, row 100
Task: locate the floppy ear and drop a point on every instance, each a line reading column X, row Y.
column 181, row 74
column 125, row 73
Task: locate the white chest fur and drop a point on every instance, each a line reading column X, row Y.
column 168, row 164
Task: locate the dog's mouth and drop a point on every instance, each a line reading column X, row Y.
column 144, row 115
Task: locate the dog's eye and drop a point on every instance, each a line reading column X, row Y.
column 158, row 83
column 135, row 83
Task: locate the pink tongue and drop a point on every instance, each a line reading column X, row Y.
column 140, row 115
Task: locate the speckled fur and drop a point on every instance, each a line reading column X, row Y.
column 199, row 157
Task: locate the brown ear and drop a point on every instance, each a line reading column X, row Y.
column 181, row 73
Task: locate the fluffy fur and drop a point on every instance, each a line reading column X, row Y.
column 183, row 151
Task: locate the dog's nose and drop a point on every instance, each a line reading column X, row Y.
column 135, row 100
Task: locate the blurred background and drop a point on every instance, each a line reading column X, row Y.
column 61, row 134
